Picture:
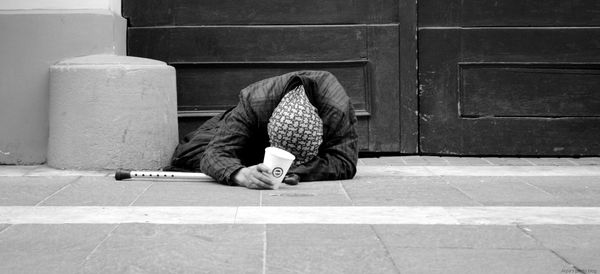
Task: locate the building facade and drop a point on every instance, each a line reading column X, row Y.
column 439, row 77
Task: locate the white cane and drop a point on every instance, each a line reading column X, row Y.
column 142, row 174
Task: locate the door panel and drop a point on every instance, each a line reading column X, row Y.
column 508, row 13
column 251, row 43
column 208, row 77
column 259, row 12
column 518, row 90
column 533, row 90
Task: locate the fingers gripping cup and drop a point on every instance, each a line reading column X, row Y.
column 279, row 161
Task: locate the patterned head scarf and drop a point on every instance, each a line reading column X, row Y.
column 296, row 127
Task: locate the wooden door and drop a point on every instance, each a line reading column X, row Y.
column 220, row 46
column 509, row 77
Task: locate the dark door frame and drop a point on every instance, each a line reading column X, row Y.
column 409, row 95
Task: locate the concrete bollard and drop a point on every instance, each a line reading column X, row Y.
column 109, row 112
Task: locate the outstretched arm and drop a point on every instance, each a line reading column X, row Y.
column 222, row 159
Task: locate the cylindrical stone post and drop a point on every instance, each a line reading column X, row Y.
column 109, row 112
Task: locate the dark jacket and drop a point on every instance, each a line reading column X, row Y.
column 237, row 138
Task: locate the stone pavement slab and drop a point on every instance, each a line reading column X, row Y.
column 474, row 171
column 424, row 160
column 552, row 161
column 399, row 161
column 501, row 191
column 415, row 161
column 586, row 161
column 147, row 248
column 467, row 161
column 426, row 215
column 325, row 249
column 586, row 260
column 392, row 171
column 405, row 191
column 48, row 248
column 182, row 193
column 456, row 236
column 336, row 215
column 97, row 191
column 371, row 162
column 570, row 191
column 330, row 193
column 27, row 191
column 118, row 215
column 476, row 161
column 514, row 171
column 503, row 161
column 577, row 244
column 566, row 236
column 47, row 171
column 6, row 170
column 476, row 261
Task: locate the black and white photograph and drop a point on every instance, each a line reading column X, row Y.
column 300, row 136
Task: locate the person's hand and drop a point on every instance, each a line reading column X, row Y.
column 254, row 177
column 291, row 179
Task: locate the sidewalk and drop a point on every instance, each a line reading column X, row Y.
column 399, row 215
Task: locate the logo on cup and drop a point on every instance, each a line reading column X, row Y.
column 277, row 172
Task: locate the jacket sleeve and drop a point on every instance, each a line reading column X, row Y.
column 338, row 154
column 222, row 156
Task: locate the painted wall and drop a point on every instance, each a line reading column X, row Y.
column 36, row 34
column 112, row 5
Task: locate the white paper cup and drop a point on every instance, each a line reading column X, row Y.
column 279, row 161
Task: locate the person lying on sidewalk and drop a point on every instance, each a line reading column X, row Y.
column 306, row 113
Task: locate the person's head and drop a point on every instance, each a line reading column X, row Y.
column 296, row 127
